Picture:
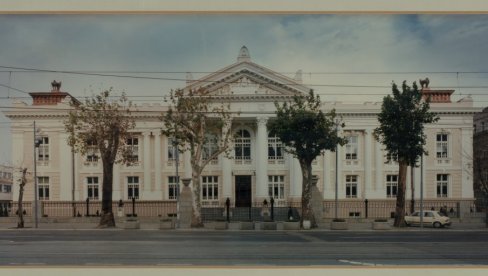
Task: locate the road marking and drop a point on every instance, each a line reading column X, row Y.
column 35, row 263
column 359, row 263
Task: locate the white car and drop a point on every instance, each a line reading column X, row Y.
column 430, row 218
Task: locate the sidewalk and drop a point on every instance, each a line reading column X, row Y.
column 147, row 225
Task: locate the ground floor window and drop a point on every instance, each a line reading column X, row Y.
column 133, row 187
column 43, row 187
column 210, row 188
column 173, row 187
column 276, row 186
column 442, row 185
column 351, row 186
column 391, row 185
column 92, row 186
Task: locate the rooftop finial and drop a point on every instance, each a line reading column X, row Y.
column 244, row 54
column 56, row 86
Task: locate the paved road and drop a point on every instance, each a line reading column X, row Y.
column 237, row 248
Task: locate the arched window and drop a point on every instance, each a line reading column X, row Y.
column 242, row 145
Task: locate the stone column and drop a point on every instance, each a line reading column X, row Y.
column 118, row 184
column 261, row 159
column 65, row 168
column 368, row 189
column 328, row 191
column 378, row 168
column 147, row 166
column 341, row 192
column 159, row 193
column 466, row 163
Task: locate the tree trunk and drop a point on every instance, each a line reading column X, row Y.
column 412, row 187
column 196, row 218
column 307, row 211
column 107, row 217
column 400, row 202
column 20, row 210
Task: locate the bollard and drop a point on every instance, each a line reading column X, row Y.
column 227, row 206
column 87, row 207
column 366, row 206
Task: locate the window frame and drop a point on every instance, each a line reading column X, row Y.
column 242, row 145
column 43, row 188
column 391, row 185
column 352, row 148
column 209, row 188
column 351, row 186
column 93, row 187
column 442, row 185
column 276, row 186
column 133, row 187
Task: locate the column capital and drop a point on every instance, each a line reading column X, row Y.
column 262, row 120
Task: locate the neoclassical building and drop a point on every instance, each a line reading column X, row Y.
column 260, row 168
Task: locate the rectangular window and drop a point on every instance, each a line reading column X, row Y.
column 442, row 146
column 275, row 148
column 43, row 187
column 173, row 187
column 92, row 186
column 133, row 145
column 210, row 188
column 172, row 149
column 276, row 186
column 7, row 188
column 391, row 185
column 351, row 186
column 390, row 158
column 133, row 187
column 352, row 148
column 442, row 185
column 92, row 150
column 43, row 149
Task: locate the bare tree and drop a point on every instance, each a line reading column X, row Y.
column 21, row 179
column 105, row 123
column 195, row 121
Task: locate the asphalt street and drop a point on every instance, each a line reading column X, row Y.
column 242, row 248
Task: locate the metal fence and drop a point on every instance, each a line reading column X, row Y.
column 354, row 208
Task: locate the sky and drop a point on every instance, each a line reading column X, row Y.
column 343, row 57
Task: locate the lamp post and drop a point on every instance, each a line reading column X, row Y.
column 337, row 169
column 37, row 142
column 422, row 190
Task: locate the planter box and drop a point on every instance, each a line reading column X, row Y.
column 338, row 225
column 220, row 225
column 247, row 225
column 291, row 225
column 234, row 226
column 131, row 224
column 167, row 224
column 268, row 225
column 381, row 225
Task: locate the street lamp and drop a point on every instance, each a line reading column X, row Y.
column 337, row 169
column 37, row 142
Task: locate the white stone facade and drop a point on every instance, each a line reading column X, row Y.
column 256, row 169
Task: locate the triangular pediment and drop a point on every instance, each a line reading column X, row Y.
column 247, row 78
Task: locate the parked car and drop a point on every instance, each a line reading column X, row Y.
column 430, row 218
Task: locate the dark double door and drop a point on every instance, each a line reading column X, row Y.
column 243, row 190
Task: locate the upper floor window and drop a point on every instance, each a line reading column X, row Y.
column 92, row 150
column 352, row 148
column 276, row 186
column 133, row 146
column 43, row 187
column 92, row 187
column 391, row 185
column 275, row 148
column 43, row 149
column 210, row 188
column 242, row 145
column 173, row 187
column 351, row 186
column 210, row 146
column 132, row 187
column 390, row 158
column 172, row 149
column 442, row 185
column 442, row 145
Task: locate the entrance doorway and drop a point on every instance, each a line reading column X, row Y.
column 243, row 190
